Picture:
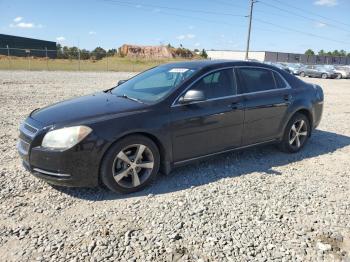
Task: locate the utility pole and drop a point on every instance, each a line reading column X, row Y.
column 252, row 2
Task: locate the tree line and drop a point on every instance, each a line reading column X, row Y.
column 74, row 52
column 329, row 53
column 65, row 52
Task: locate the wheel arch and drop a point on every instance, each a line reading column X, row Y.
column 301, row 110
column 165, row 166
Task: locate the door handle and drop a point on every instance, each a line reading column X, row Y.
column 237, row 105
column 287, row 97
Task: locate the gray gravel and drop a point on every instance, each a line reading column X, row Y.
column 254, row 205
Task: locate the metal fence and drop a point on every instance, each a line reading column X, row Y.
column 71, row 60
column 307, row 59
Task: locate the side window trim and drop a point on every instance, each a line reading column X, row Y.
column 175, row 103
column 237, row 82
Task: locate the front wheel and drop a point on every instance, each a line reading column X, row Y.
column 131, row 164
column 324, row 76
column 296, row 134
column 302, row 74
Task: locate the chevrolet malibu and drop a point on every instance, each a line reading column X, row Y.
column 165, row 117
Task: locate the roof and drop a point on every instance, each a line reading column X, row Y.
column 3, row 36
column 200, row 64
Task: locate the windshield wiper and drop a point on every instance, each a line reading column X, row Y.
column 130, row 98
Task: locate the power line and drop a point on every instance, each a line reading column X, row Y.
column 310, row 12
column 303, row 16
column 143, row 8
column 176, row 8
column 301, row 32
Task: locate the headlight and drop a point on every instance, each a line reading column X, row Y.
column 65, row 138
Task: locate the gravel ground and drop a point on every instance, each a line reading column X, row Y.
column 253, row 205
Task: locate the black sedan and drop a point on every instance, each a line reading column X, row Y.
column 168, row 116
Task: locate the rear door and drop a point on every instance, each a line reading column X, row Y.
column 267, row 97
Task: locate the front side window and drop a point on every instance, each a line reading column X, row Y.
column 218, row 84
column 255, row 80
column 154, row 84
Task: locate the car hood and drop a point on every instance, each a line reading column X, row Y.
column 89, row 107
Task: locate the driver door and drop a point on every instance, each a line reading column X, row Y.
column 209, row 126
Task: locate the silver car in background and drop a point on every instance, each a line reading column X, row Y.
column 322, row 71
column 342, row 71
column 294, row 68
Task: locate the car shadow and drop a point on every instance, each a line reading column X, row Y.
column 262, row 159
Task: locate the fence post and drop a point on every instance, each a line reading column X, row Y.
column 107, row 64
column 8, row 56
column 28, row 52
column 79, row 59
column 47, row 59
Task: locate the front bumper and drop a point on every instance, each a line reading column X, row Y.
column 75, row 167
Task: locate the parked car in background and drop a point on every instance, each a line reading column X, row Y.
column 318, row 71
column 280, row 66
column 166, row 117
column 342, row 71
column 294, row 68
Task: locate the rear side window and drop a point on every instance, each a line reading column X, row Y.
column 255, row 80
column 280, row 83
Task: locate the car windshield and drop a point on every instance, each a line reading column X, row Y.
column 154, row 84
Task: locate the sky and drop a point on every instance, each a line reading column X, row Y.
column 278, row 25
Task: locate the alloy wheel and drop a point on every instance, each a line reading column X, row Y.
column 298, row 134
column 133, row 165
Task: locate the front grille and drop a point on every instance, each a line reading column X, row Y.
column 28, row 130
column 23, row 147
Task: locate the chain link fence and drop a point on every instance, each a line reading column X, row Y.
column 76, row 60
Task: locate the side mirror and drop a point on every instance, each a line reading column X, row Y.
column 121, row 82
column 192, row 96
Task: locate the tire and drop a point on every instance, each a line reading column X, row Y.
column 290, row 145
column 339, row 76
column 302, row 74
column 324, row 76
column 124, row 170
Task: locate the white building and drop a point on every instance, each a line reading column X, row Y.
column 236, row 55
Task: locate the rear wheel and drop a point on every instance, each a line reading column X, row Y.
column 339, row 76
column 302, row 74
column 131, row 164
column 296, row 134
column 324, row 76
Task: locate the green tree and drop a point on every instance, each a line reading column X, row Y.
column 98, row 53
column 59, row 51
column 73, row 52
column 342, row 52
column 84, row 54
column 321, row 52
column 111, row 52
column 335, row 53
column 309, row 52
column 204, row 54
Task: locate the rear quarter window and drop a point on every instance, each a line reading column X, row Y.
column 280, row 83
